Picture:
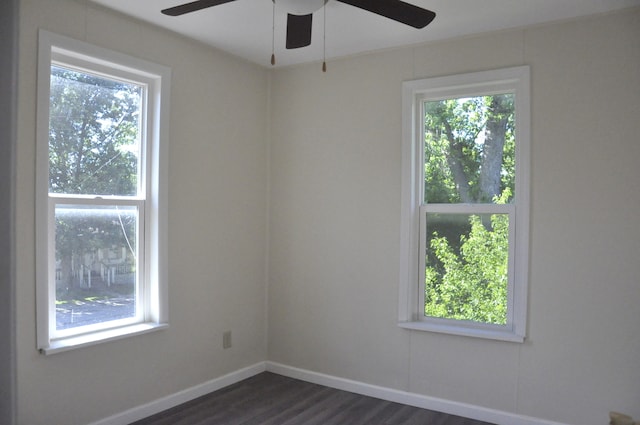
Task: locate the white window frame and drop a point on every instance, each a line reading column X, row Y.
column 413, row 209
column 151, row 203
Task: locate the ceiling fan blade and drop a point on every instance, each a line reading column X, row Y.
column 193, row 6
column 298, row 30
column 397, row 10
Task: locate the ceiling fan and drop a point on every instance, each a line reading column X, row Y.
column 300, row 19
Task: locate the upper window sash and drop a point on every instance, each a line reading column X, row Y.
column 76, row 62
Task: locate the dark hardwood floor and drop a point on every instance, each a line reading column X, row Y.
column 270, row 399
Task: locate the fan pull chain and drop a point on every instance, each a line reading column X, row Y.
column 324, row 37
column 273, row 34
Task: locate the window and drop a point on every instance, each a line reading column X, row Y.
column 101, row 194
column 465, row 204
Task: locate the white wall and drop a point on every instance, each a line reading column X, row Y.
column 333, row 221
column 217, row 227
column 334, row 224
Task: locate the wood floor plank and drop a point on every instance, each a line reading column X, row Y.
column 360, row 407
column 317, row 413
column 289, row 409
column 270, row 399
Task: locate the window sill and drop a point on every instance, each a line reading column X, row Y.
column 475, row 332
column 71, row 343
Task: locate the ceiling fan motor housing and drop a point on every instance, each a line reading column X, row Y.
column 300, row 7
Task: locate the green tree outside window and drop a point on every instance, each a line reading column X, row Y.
column 469, row 151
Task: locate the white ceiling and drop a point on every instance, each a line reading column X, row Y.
column 244, row 27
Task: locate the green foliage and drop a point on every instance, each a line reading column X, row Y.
column 456, row 148
column 471, row 284
column 94, row 149
column 93, row 134
column 439, row 185
column 469, row 158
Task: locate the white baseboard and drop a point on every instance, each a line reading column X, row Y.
column 412, row 399
column 425, row 402
column 183, row 396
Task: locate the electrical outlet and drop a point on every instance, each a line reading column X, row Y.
column 226, row 340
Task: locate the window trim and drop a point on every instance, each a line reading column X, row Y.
column 512, row 80
column 54, row 49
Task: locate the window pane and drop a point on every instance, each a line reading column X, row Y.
column 96, row 263
column 466, row 267
column 94, row 134
column 469, row 150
